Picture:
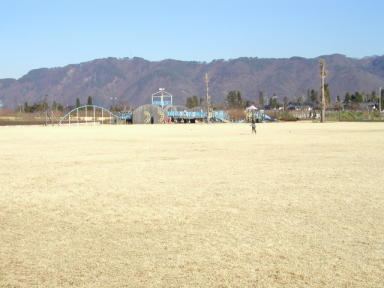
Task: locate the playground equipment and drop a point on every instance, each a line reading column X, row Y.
column 103, row 116
column 219, row 116
column 267, row 117
column 148, row 114
column 145, row 114
column 254, row 114
column 125, row 115
column 162, row 98
column 160, row 111
column 183, row 114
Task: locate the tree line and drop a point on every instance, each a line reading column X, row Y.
column 42, row 106
column 235, row 100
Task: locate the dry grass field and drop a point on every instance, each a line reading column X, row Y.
column 298, row 205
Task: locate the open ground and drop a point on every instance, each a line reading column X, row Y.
column 297, row 205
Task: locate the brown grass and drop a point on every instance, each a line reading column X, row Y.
column 298, row 205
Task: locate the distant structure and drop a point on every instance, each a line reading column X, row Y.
column 162, row 98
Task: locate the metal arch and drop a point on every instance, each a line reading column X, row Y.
column 88, row 106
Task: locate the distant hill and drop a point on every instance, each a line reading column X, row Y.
column 132, row 81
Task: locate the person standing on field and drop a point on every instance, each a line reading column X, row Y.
column 253, row 127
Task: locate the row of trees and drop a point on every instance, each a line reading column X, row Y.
column 36, row 107
column 359, row 97
column 235, row 100
column 194, row 101
column 44, row 106
column 89, row 102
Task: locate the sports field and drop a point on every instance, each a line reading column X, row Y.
column 297, row 205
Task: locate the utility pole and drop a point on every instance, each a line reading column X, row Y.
column 323, row 74
column 380, row 99
column 208, row 100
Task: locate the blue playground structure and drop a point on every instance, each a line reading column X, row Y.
column 126, row 115
column 162, row 98
column 268, row 118
column 258, row 116
column 215, row 116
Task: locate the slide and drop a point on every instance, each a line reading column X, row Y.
column 268, row 118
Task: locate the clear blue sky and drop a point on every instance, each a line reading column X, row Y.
column 49, row 33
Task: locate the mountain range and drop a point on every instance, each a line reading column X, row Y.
column 131, row 81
